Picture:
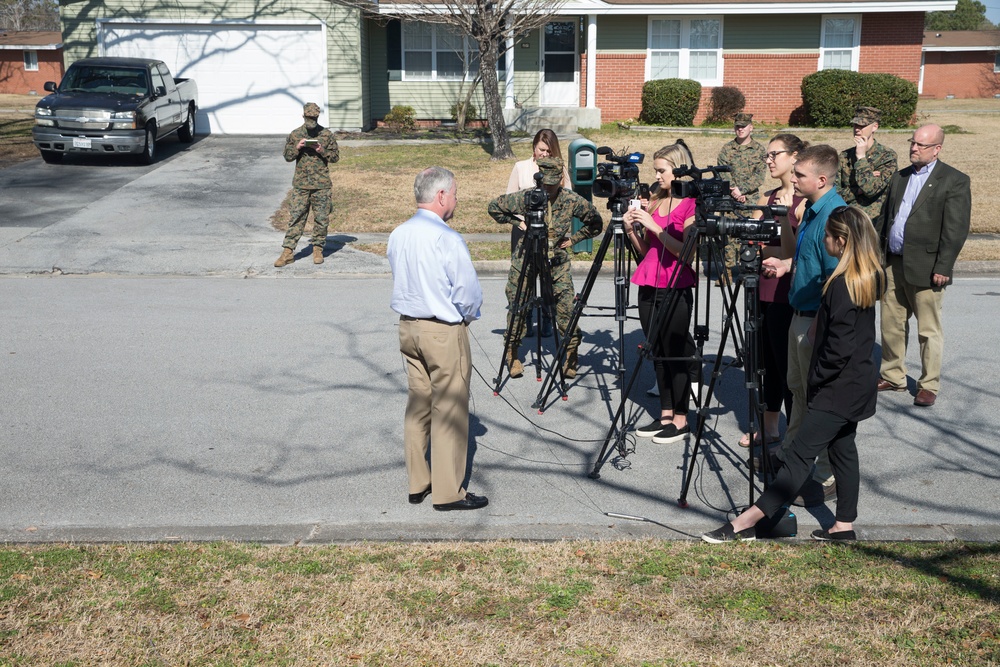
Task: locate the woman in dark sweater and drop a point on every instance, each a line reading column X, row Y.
column 842, row 380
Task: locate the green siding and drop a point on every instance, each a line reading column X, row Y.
column 754, row 33
column 343, row 36
column 622, row 33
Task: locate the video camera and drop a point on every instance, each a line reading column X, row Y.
column 618, row 178
column 536, row 203
column 714, row 198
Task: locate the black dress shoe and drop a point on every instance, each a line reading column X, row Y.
column 470, row 502
column 417, row 498
column 841, row 536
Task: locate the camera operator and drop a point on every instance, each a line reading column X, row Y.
column 841, row 376
column 563, row 205
column 657, row 234
column 814, row 177
column 776, row 313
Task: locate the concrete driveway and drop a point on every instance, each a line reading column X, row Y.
column 202, row 209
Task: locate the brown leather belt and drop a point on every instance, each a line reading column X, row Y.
column 407, row 318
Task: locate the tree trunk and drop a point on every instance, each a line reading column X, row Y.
column 493, row 101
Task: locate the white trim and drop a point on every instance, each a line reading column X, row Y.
column 920, row 81
column 855, row 47
column 598, row 7
column 684, row 66
column 508, row 83
column 591, row 61
column 30, row 47
column 950, row 49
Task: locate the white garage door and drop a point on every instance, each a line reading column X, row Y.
column 252, row 78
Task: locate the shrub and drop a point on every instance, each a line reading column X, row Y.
column 470, row 111
column 670, row 102
column 401, row 119
column 830, row 97
column 727, row 101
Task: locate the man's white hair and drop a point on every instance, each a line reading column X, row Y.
column 430, row 181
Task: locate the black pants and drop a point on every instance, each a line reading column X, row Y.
column 672, row 340
column 775, row 320
column 820, row 431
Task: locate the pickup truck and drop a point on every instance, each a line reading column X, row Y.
column 114, row 106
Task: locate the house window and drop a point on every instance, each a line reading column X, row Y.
column 434, row 52
column 31, row 61
column 840, row 39
column 686, row 49
column 996, row 63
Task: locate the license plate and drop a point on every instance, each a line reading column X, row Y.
column 81, row 143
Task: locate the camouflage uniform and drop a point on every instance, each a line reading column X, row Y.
column 566, row 206
column 311, row 183
column 749, row 172
column 865, row 182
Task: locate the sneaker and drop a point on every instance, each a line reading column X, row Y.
column 841, row 536
column 650, row 429
column 671, row 434
column 727, row 534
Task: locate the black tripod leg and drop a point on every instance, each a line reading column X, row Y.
column 517, row 313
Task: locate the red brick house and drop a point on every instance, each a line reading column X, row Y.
column 961, row 64
column 28, row 59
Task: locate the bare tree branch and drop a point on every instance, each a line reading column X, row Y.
column 487, row 23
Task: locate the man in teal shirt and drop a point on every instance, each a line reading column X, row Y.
column 815, row 178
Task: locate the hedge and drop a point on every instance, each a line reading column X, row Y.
column 830, row 97
column 671, row 102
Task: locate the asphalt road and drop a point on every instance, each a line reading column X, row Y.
column 154, row 391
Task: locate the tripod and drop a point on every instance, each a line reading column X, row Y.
column 534, row 264
column 622, row 259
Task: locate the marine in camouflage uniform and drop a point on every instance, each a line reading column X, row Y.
column 563, row 206
column 748, row 170
column 311, row 183
column 864, row 181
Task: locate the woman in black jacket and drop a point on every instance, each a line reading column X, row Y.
column 842, row 380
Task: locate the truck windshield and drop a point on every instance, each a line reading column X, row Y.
column 92, row 79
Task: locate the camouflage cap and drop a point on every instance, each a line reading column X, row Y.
column 552, row 170
column 866, row 116
column 743, row 119
column 311, row 110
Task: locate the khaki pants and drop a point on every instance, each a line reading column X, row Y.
column 438, row 369
column 799, row 357
column 902, row 300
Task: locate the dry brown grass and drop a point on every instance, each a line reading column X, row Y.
column 581, row 603
column 15, row 129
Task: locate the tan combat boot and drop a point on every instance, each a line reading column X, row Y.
column 287, row 257
column 516, row 367
column 569, row 370
column 317, row 255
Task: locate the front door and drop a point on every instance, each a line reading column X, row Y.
column 560, row 65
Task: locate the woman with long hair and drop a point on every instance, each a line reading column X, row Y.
column 776, row 313
column 657, row 234
column 842, row 382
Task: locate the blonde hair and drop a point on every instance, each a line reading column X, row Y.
column 861, row 261
column 677, row 154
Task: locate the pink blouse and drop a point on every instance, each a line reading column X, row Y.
column 658, row 267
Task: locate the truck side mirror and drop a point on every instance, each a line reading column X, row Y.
column 159, row 91
column 50, row 86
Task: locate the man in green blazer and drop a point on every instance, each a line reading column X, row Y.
column 923, row 227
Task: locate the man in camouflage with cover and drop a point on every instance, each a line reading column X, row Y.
column 745, row 156
column 312, row 147
column 866, row 167
column 563, row 206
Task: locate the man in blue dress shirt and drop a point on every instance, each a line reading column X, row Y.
column 815, row 178
column 436, row 292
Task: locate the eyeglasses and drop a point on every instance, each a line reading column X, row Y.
column 772, row 155
column 920, row 145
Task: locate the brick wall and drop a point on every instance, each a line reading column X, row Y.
column 891, row 43
column 619, row 78
column 967, row 74
column 14, row 78
column 771, row 82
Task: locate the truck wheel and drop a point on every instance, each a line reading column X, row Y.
column 186, row 132
column 52, row 157
column 149, row 150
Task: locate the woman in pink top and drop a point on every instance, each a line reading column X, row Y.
column 657, row 234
